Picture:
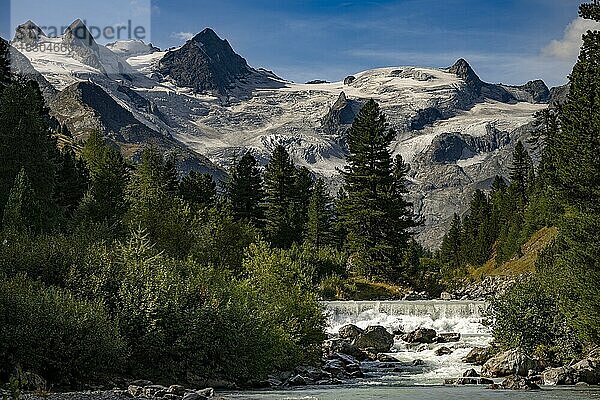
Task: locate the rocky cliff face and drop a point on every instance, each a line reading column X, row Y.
column 455, row 130
column 206, row 63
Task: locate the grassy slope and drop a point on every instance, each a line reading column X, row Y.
column 523, row 263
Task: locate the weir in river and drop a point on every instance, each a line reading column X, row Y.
column 469, row 318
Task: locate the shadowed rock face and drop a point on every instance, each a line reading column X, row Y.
column 206, row 63
column 28, row 33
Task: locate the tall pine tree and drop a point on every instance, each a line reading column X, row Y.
column 22, row 212
column 198, row 189
column 280, row 186
column 376, row 216
column 244, row 190
column 319, row 230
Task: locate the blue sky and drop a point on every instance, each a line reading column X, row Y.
column 510, row 41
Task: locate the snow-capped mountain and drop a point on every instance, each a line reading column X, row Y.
column 456, row 131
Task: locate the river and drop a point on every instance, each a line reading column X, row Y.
column 426, row 381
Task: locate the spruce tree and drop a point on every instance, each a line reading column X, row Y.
column 520, row 171
column 199, row 189
column 26, row 142
column 244, row 190
column 450, row 252
column 104, row 202
column 279, row 186
column 72, row 181
column 303, row 185
column 376, row 216
column 21, row 212
column 576, row 147
column 319, row 229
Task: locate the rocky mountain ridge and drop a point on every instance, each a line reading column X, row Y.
column 455, row 130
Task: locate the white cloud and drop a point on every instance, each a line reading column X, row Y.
column 183, row 35
column 568, row 47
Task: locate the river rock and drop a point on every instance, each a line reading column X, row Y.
column 297, row 380
column 350, row 332
column 587, row 371
column 447, row 337
column 376, row 338
column 176, row 390
column 442, row 351
column 331, row 347
column 386, row 358
column 516, row 382
column 478, row 356
column 468, row 381
column 510, row 363
column 421, row 335
column 470, row 373
column 558, row 376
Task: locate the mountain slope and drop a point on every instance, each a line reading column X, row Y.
column 455, row 130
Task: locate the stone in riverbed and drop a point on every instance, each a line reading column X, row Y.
column 342, row 346
column 478, row 356
column 297, row 380
column 516, row 382
column 442, row 351
column 176, row 389
column 447, row 337
column 376, row 338
column 512, row 362
column 387, row 358
column 421, row 335
column 350, row 332
column 470, row 373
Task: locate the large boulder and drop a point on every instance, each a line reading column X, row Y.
column 332, row 347
column 375, row 338
column 558, row 376
column 516, row 382
column 350, row 332
column 421, row 335
column 512, row 362
column 478, row 356
column 587, row 371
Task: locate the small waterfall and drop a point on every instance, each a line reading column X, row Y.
column 464, row 317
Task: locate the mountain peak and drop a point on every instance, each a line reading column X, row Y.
column 462, row 69
column 205, row 63
column 207, row 34
column 28, row 32
column 77, row 33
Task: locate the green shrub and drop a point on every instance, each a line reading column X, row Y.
column 48, row 331
column 288, row 302
column 528, row 316
column 44, row 257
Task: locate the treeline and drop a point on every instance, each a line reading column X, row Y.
column 113, row 268
column 554, row 313
column 499, row 222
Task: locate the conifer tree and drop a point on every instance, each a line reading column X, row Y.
column 450, row 252
column 244, row 190
column 26, row 142
column 153, row 207
column 319, row 230
column 71, row 181
column 169, row 169
column 21, row 212
column 374, row 213
column 198, row 188
column 520, row 171
column 5, row 64
column 279, row 183
column 303, row 185
column 104, row 202
column 576, row 147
